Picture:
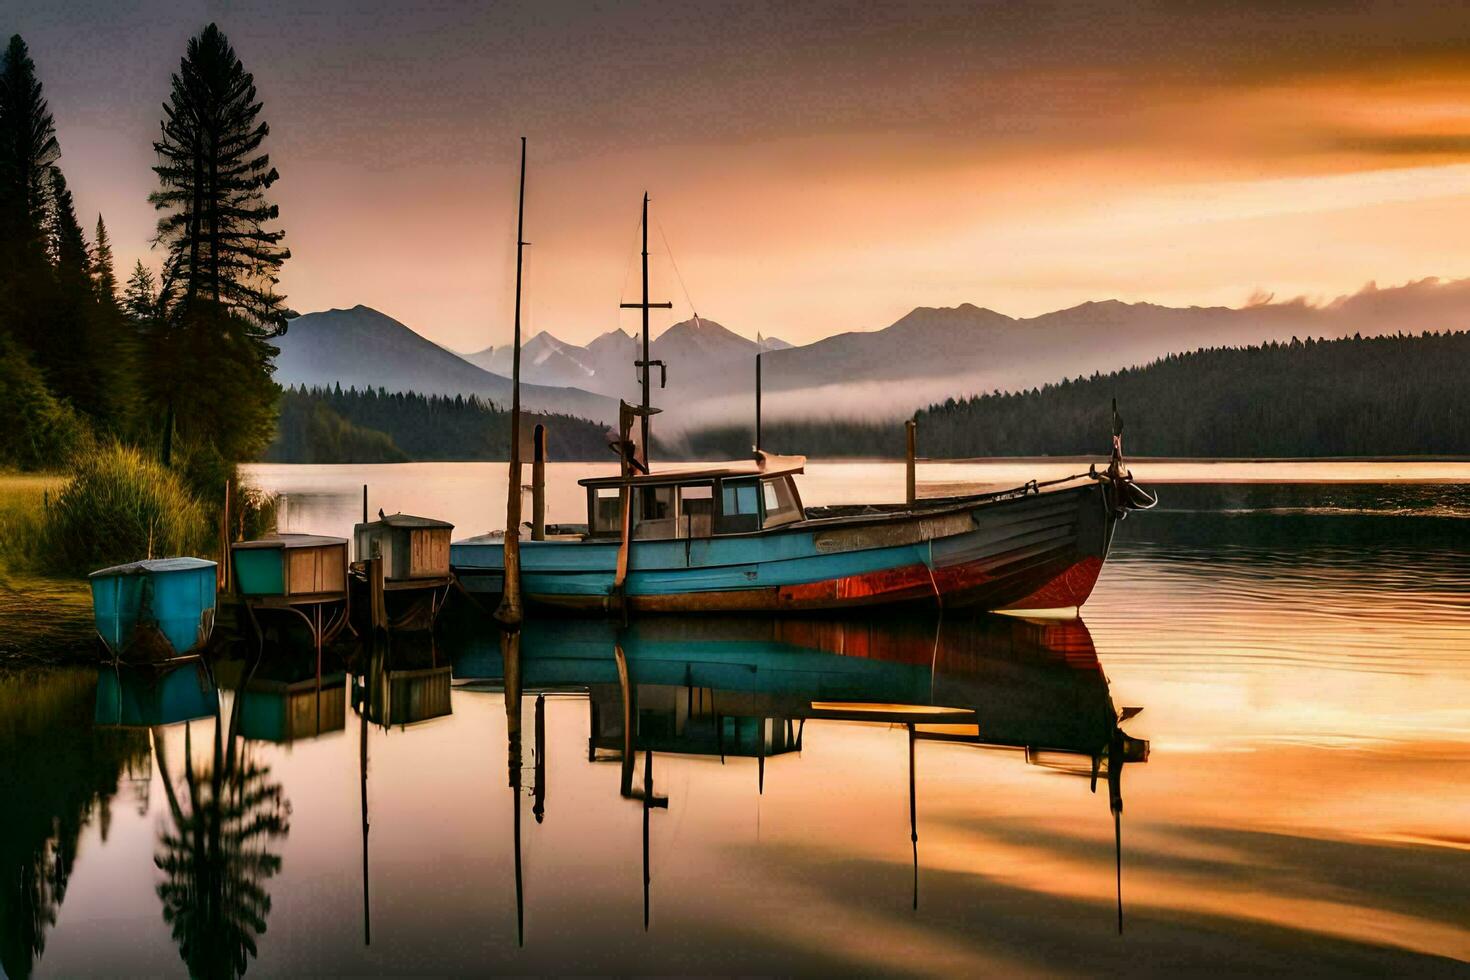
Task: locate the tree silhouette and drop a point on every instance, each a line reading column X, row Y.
column 102, row 271
column 215, row 854
column 28, row 148
column 213, row 176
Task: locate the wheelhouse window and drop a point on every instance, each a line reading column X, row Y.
column 739, row 507
column 606, row 511
column 780, row 502
column 655, row 513
column 696, row 510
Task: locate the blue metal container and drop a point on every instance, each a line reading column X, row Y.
column 155, row 610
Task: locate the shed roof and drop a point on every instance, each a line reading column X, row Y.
column 764, row 464
column 153, row 566
column 408, row 520
column 290, row 540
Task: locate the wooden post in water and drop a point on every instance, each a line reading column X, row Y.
column 222, row 573
column 538, row 484
column 757, row 393
column 509, row 612
column 911, row 447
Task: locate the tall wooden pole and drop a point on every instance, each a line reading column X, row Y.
column 538, row 484
column 509, row 611
column 910, row 486
column 757, row 395
column 647, row 365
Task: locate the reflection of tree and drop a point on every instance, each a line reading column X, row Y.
column 214, row 853
column 58, row 771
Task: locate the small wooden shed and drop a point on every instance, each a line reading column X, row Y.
column 411, row 547
column 292, row 566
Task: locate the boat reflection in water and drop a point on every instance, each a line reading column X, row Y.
column 747, row 687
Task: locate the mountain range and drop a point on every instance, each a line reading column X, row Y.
column 363, row 348
column 927, row 356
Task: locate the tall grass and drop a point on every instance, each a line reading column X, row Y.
column 21, row 502
column 120, row 506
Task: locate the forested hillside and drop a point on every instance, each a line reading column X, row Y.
column 1379, row 396
column 330, row 425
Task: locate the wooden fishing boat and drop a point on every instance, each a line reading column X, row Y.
column 737, row 537
column 154, row 611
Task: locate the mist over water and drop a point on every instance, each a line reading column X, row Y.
column 1301, row 653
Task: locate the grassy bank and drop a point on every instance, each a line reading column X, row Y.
column 42, row 617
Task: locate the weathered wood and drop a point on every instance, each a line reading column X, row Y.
column 538, row 484
column 910, row 451
column 509, row 612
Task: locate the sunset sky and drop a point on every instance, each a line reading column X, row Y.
column 815, row 167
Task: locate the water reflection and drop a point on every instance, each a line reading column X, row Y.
column 61, row 771
column 745, row 687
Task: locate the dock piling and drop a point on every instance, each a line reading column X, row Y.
column 911, row 442
column 538, row 484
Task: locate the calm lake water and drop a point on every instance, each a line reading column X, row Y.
column 1300, row 653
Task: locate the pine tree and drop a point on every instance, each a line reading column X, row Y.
column 28, row 147
column 102, row 275
column 28, row 151
column 213, row 176
column 65, row 243
column 140, row 296
column 209, row 350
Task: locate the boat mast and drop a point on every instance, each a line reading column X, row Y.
column 509, row 611
column 645, row 366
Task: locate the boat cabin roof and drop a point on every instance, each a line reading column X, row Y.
column 764, row 464
column 152, row 566
column 289, row 541
column 408, row 520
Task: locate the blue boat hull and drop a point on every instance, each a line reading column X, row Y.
column 1031, row 551
column 154, row 617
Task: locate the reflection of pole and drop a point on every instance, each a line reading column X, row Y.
column 510, row 645
column 362, row 755
column 626, row 782
column 1115, row 803
column 647, row 804
column 539, row 810
column 913, row 815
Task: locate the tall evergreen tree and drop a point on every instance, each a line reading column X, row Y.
column 28, row 151
column 140, row 296
column 65, row 242
column 210, row 350
column 213, row 176
column 28, row 147
column 102, row 273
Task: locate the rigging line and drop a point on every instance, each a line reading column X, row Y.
column 677, row 275
column 632, row 251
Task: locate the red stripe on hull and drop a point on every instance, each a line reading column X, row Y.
column 1071, row 588
column 906, row 582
